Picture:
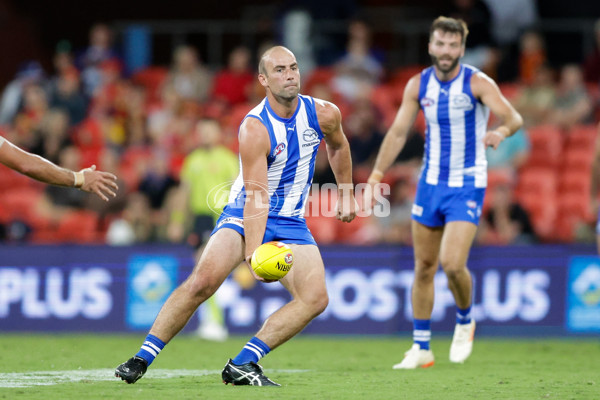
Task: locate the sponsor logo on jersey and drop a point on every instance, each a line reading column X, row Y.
column 311, row 137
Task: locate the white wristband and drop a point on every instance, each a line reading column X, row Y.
column 79, row 179
column 499, row 134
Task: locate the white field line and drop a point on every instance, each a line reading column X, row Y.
column 45, row 378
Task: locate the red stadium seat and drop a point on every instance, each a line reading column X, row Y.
column 578, row 159
column 318, row 76
column 546, row 146
column 78, row 227
column 575, row 182
column 536, row 191
column 21, row 204
column 582, row 137
column 152, row 78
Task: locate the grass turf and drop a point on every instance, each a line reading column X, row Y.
column 308, row 367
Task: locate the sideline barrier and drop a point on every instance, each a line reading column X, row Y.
column 540, row 290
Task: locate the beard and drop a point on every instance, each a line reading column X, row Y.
column 436, row 61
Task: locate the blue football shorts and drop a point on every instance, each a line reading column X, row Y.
column 279, row 228
column 436, row 205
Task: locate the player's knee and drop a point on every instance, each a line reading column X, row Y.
column 317, row 303
column 453, row 270
column 425, row 271
column 202, row 286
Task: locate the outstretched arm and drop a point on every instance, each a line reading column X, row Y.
column 338, row 152
column 101, row 183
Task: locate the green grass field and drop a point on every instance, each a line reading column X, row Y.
column 81, row 367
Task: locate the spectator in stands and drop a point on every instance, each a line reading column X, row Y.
column 234, row 83
column 364, row 133
column 532, row 56
column 99, row 51
column 162, row 118
column 536, row 100
column 509, row 19
column 53, row 135
column 591, row 66
column 30, row 73
column 481, row 47
column 359, row 70
column 506, row 222
column 573, row 104
column 57, row 202
column 29, row 120
column 133, row 226
column 511, row 156
column 157, row 181
column 65, row 93
column 191, row 80
column 109, row 162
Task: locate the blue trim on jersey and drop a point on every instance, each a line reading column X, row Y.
column 264, row 118
column 311, row 113
column 289, row 171
column 443, row 116
column 277, row 117
column 470, row 133
column 425, row 75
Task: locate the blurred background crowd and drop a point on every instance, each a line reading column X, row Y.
column 157, row 100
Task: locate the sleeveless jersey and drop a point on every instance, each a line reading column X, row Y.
column 456, row 124
column 291, row 161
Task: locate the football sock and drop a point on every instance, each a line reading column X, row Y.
column 150, row 349
column 422, row 332
column 463, row 315
column 253, row 351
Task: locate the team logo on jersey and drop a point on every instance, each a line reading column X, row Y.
column 280, row 147
column 427, row 102
column 461, row 101
column 472, row 204
column 311, row 137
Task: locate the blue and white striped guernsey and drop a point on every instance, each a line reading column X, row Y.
column 291, row 161
column 456, row 124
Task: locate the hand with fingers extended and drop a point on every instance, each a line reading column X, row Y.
column 103, row 184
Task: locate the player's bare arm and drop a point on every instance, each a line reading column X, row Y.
column 487, row 91
column 89, row 180
column 254, row 149
column 394, row 139
column 338, row 152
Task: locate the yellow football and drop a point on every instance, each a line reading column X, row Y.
column 272, row 260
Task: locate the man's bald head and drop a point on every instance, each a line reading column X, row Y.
column 269, row 54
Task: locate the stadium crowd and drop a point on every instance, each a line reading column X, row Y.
column 167, row 131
